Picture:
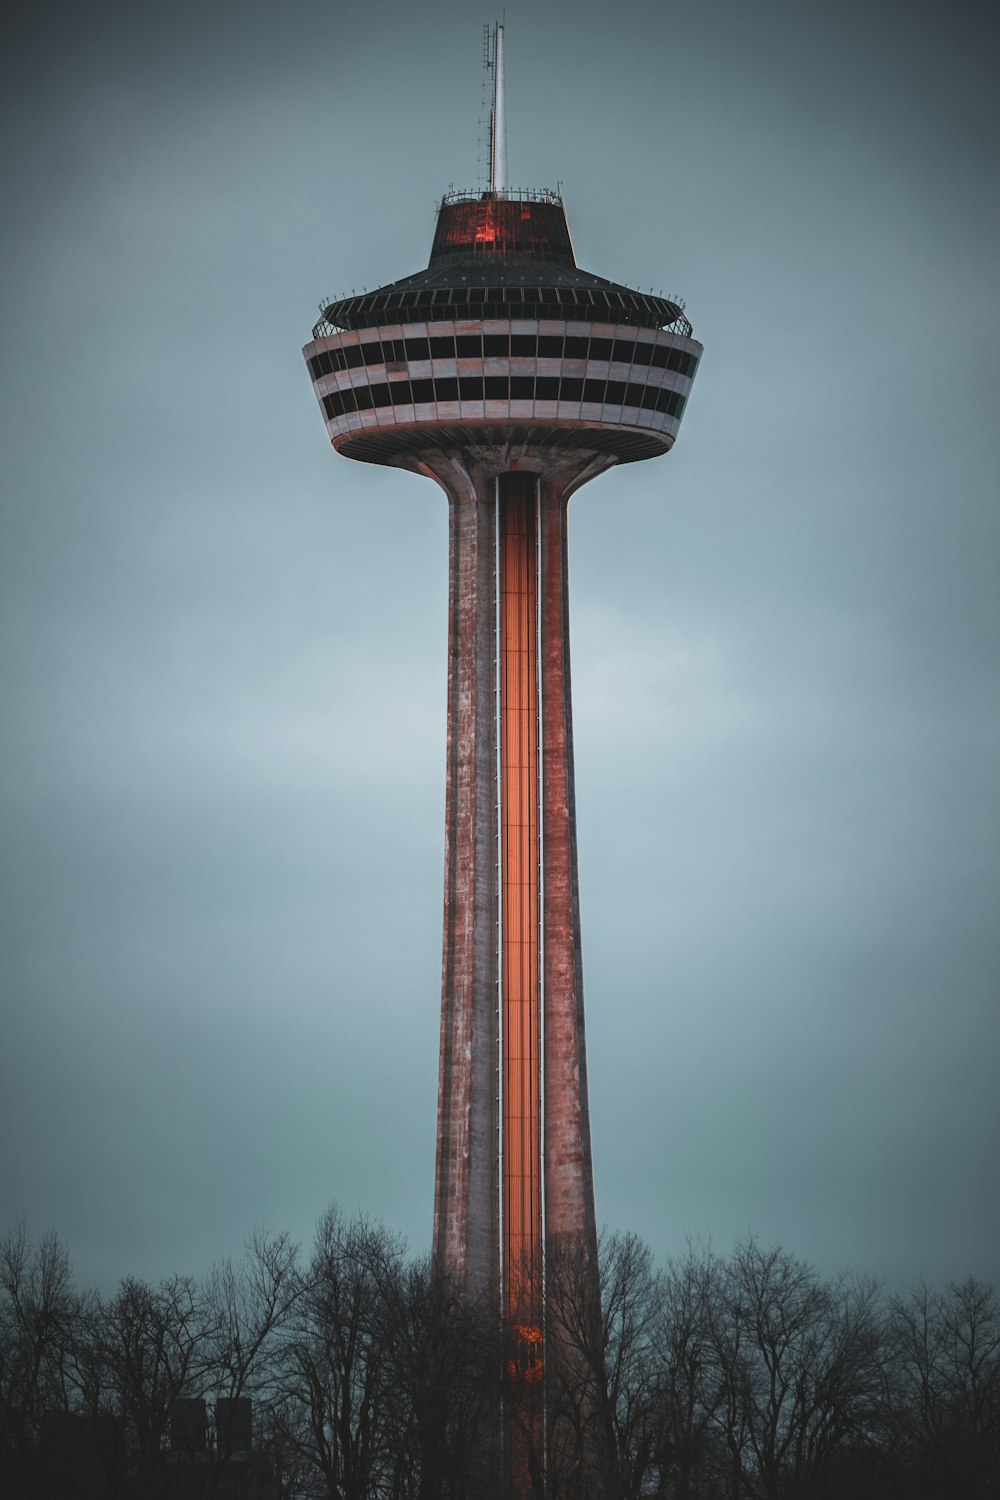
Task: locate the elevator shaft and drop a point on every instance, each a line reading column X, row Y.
column 520, row 987
column 520, row 971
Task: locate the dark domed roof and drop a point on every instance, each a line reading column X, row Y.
column 502, row 257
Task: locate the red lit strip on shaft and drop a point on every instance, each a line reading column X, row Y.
column 520, row 908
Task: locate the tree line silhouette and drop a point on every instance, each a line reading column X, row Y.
column 740, row 1377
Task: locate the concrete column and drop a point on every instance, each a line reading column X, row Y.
column 570, row 1221
column 467, row 1220
column 466, row 1188
column 578, row 1449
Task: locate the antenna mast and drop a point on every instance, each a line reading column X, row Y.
column 498, row 116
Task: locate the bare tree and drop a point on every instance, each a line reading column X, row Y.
column 155, row 1346
column 40, row 1311
column 946, row 1405
column 802, row 1367
column 444, row 1389
column 336, row 1387
column 603, row 1409
column 745, row 1378
column 691, row 1379
column 631, row 1299
column 249, row 1308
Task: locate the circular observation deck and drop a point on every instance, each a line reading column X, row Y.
column 502, row 343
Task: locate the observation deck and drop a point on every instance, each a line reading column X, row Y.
column 502, row 343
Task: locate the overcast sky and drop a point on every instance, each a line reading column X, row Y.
column 224, row 649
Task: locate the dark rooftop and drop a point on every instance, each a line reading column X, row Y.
column 506, row 256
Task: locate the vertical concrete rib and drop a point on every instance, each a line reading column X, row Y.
column 570, row 1220
column 466, row 1189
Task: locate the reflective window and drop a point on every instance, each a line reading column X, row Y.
column 679, row 359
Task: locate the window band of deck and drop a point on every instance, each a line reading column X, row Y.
column 397, row 353
column 503, row 388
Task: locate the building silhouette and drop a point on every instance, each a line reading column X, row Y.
column 511, row 377
column 92, row 1455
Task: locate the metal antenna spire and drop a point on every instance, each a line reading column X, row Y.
column 498, row 118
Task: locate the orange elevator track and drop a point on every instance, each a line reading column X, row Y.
column 520, row 910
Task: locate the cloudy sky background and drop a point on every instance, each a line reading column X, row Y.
column 223, row 649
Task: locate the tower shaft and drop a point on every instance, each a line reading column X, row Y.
column 509, row 998
column 513, row 1118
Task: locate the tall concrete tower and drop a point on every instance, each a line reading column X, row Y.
column 511, row 378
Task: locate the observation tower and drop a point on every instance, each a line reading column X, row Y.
column 511, row 377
